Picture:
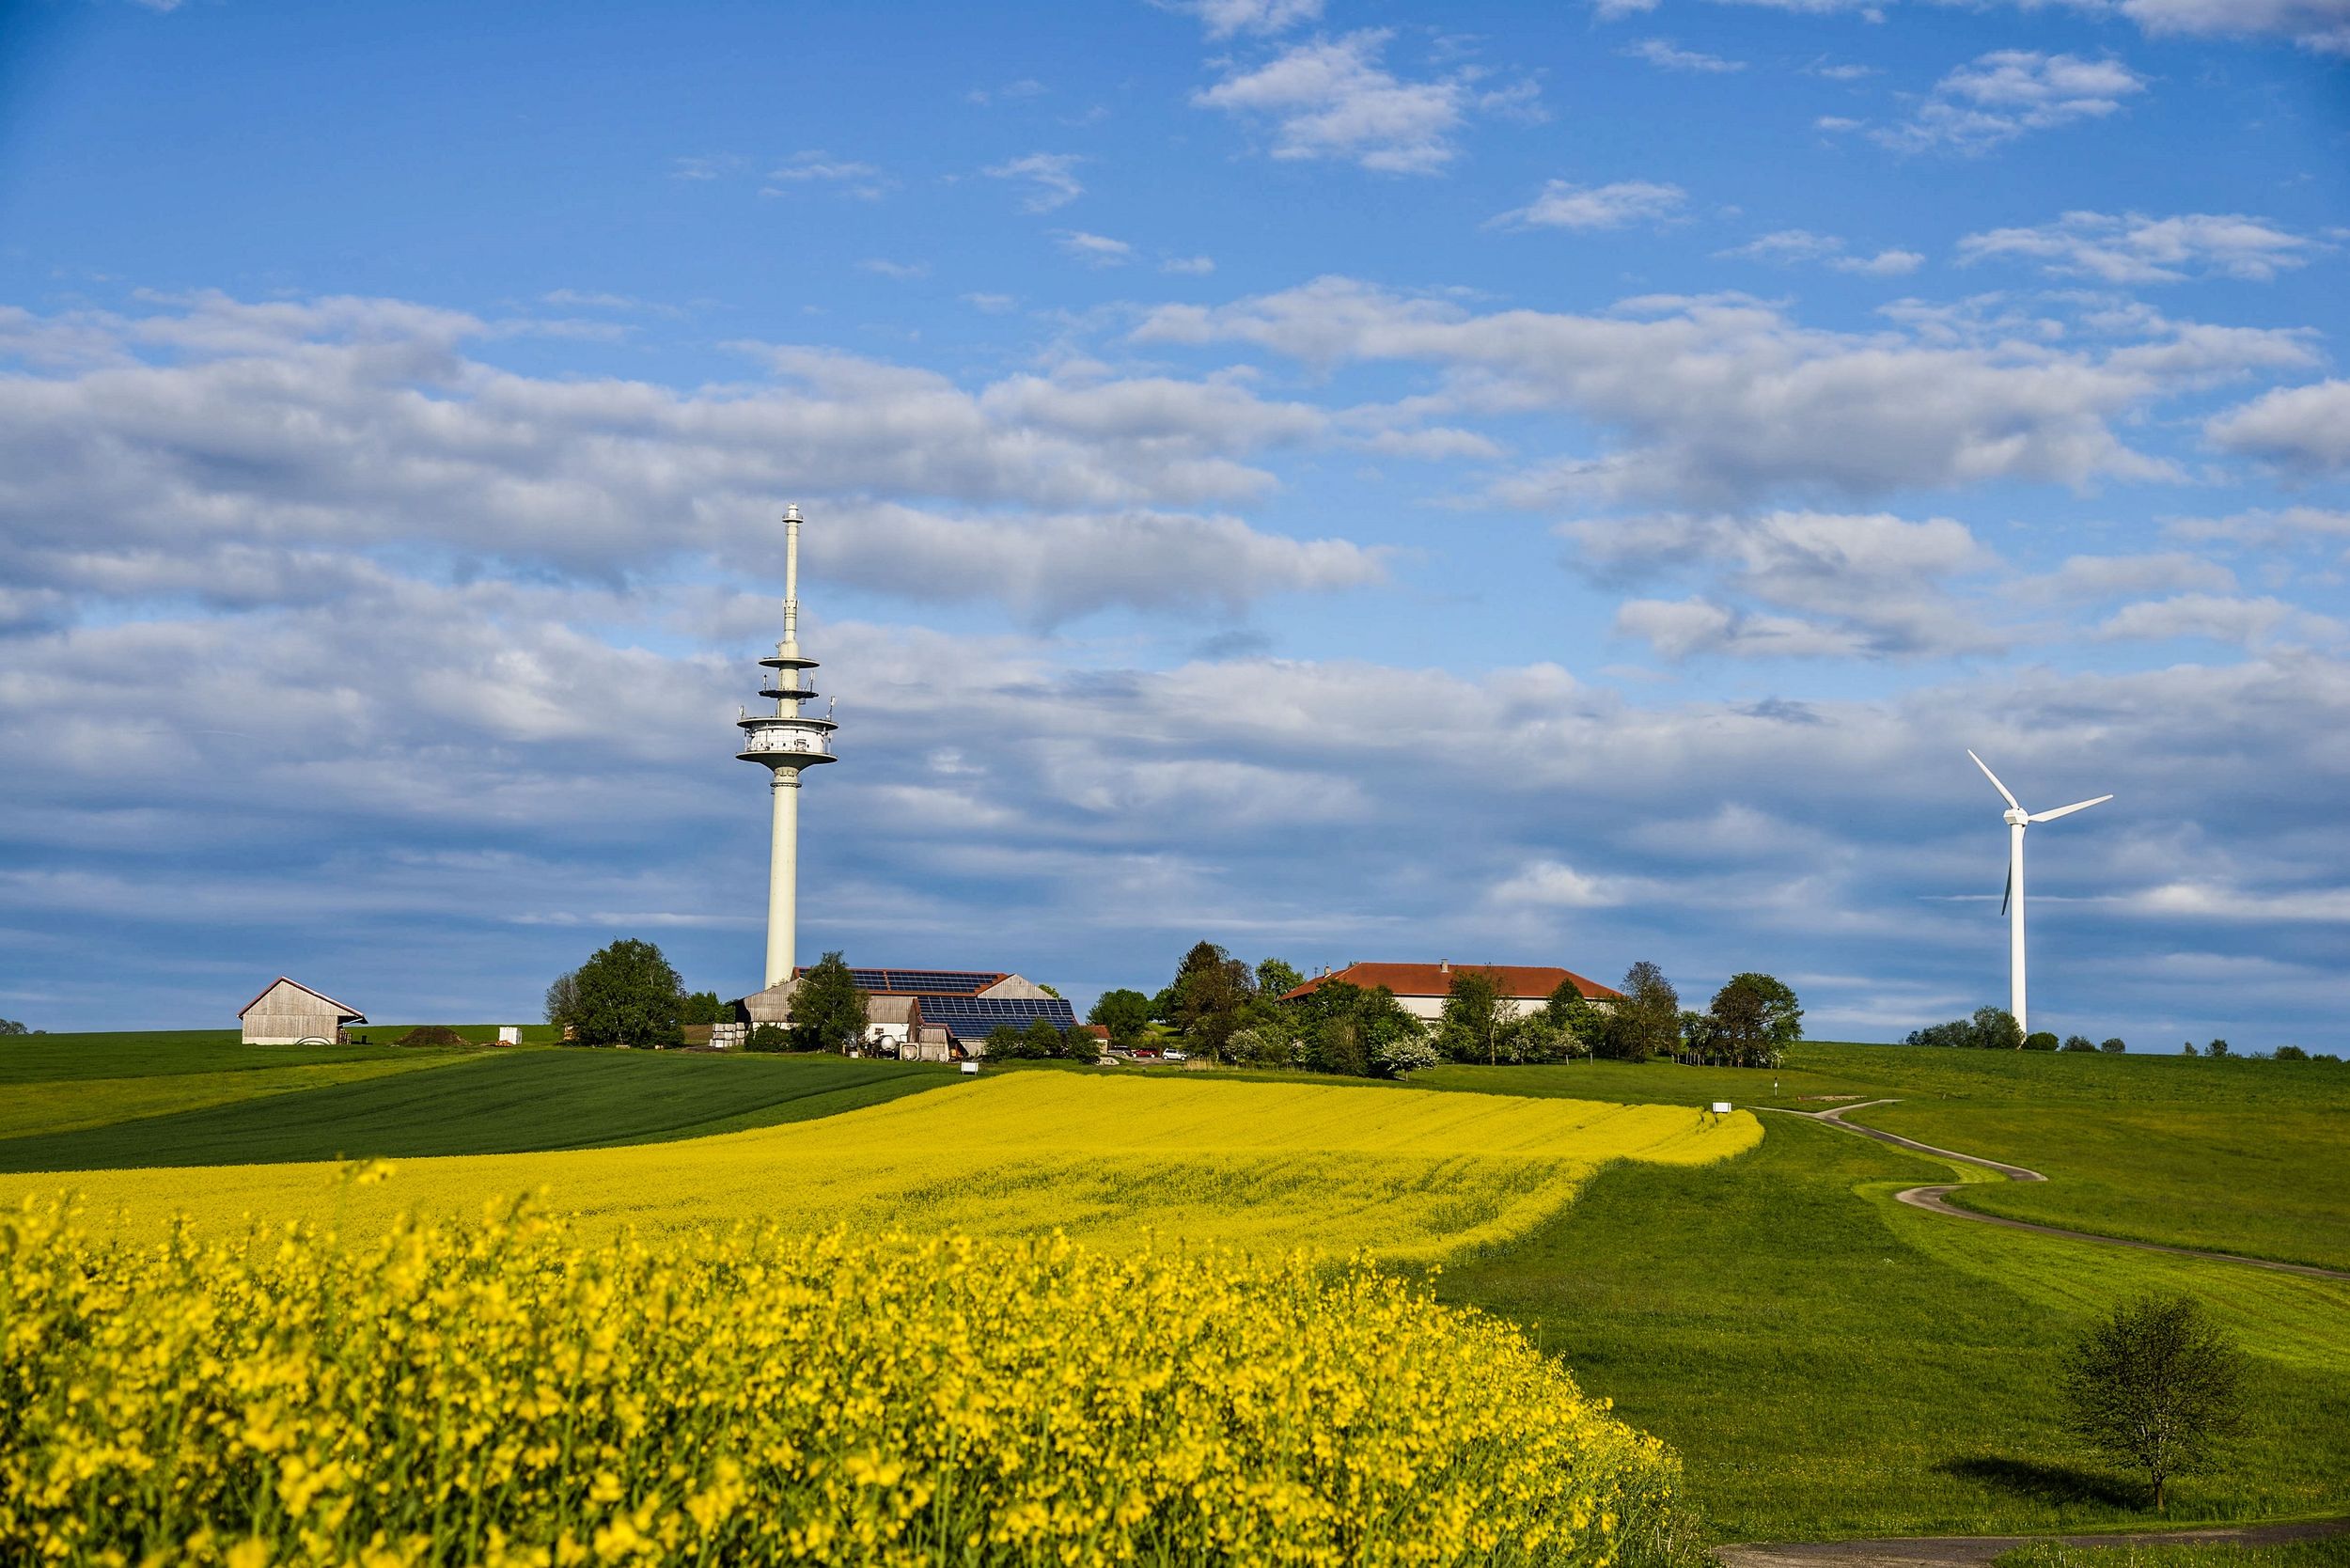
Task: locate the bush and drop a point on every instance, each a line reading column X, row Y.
column 2114, row 1046
column 433, row 1034
column 503, row 1394
column 2291, row 1053
column 2217, row 1048
column 1405, row 1054
column 2079, row 1043
column 768, row 1037
column 2040, row 1040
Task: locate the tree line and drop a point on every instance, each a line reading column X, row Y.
column 1229, row 1010
column 1994, row 1028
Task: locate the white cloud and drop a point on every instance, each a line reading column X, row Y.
column 1615, row 10
column 1011, row 92
column 2133, row 249
column 1791, row 245
column 1097, row 250
column 859, row 178
column 1334, row 97
column 2004, row 94
column 992, row 305
column 1562, row 205
column 2303, row 428
column 1664, row 55
column 1051, row 178
column 2249, row 622
column 1224, row 18
column 1726, row 400
column 1553, row 884
column 2317, row 25
column 2288, row 526
column 903, row 271
column 2112, row 576
column 706, row 166
column 1188, row 266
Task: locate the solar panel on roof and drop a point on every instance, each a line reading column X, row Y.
column 925, row 983
column 974, row 1017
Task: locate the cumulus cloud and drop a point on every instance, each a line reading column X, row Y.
column 2249, row 622
column 1729, row 400
column 2132, row 247
column 1335, row 98
column 1224, row 18
column 1094, row 250
column 2323, row 25
column 2009, row 92
column 1790, row 247
column 1051, row 178
column 2303, row 428
column 2284, row 525
column 1563, row 205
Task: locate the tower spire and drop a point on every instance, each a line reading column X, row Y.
column 785, row 743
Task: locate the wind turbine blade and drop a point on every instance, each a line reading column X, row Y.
column 2009, row 892
column 2068, row 810
column 1994, row 781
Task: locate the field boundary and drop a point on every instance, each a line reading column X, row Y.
column 1970, row 1551
column 1934, row 1199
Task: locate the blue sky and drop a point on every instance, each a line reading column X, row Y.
column 1552, row 483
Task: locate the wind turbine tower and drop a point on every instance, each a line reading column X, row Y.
column 2017, row 819
column 786, row 741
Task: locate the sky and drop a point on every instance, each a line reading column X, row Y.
column 1555, row 483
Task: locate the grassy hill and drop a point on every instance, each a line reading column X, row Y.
column 276, row 1104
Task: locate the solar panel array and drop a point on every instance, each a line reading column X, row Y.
column 925, row 983
column 974, row 1017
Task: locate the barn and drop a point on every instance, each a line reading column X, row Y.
column 287, row 1012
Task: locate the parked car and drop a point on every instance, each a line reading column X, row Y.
column 1146, row 1056
column 1179, row 1056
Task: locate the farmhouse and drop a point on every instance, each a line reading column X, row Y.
column 1421, row 988
column 287, row 1012
column 924, row 1015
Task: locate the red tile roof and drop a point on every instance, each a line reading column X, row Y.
column 1435, row 980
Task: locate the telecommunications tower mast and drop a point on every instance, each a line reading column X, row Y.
column 786, row 741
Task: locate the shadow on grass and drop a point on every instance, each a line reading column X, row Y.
column 2046, row 1483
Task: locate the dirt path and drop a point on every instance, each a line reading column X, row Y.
column 1934, row 1199
column 1971, row 1551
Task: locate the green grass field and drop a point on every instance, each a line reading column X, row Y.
column 2331, row 1552
column 421, row 1103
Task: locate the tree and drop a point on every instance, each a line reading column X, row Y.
column 9, row 1026
column 1045, row 1042
column 2079, row 1043
column 2188, row 1049
column 2114, row 1046
column 701, row 1006
column 827, row 1009
column 563, row 1001
column 1648, row 1021
column 2040, row 1040
column 1753, row 1020
column 1570, row 1012
column 2156, row 1385
column 1259, row 1045
column 768, row 1037
column 1006, row 1044
column 1125, row 1013
column 1470, row 1027
column 626, row 995
column 2217, row 1048
column 1405, row 1053
column 2291, row 1053
column 1995, row 1030
column 1211, row 989
column 1343, row 1028
column 1276, row 979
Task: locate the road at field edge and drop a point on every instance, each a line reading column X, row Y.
column 1933, row 1200
column 1972, row 1551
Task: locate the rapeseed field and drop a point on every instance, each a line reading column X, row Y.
column 503, row 1393
column 1408, row 1175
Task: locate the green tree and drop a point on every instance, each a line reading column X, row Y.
column 1571, row 1013
column 1469, row 1028
column 768, row 1037
column 701, row 1006
column 2115, row 1046
column 2079, row 1043
column 9, row 1026
column 1276, row 979
column 626, row 995
column 1346, row 1029
column 1213, row 989
column 563, row 1001
column 2040, row 1040
column 1006, row 1044
column 2291, row 1053
column 1647, row 1022
column 1995, row 1030
column 1754, row 1019
column 1125, row 1013
column 2156, row 1385
column 2217, row 1048
column 827, row 1009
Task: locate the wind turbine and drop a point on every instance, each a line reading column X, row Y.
column 2011, row 904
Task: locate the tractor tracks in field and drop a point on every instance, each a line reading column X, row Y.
column 1972, row 1551
column 1934, row 1199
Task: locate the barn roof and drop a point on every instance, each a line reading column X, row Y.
column 1435, row 980
column 351, row 1014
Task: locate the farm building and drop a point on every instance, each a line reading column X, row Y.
column 1421, row 988
column 287, row 1012
column 930, row 1014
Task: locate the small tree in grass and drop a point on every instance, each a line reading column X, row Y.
column 827, row 1009
column 627, row 995
column 1125, row 1013
column 2116, row 1045
column 2079, row 1043
column 1470, row 1028
column 2040, row 1040
column 2158, row 1386
column 768, row 1037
